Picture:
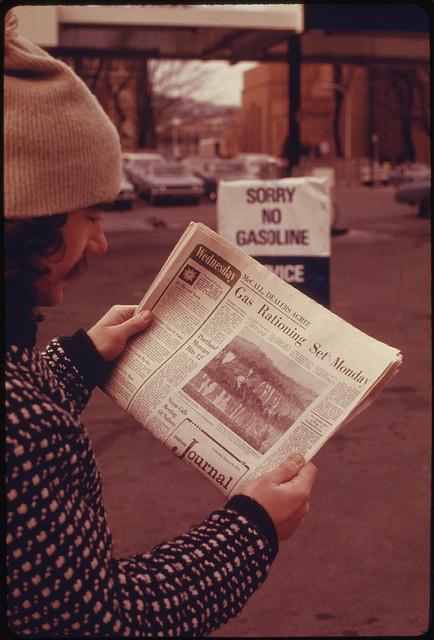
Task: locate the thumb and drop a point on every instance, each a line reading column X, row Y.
column 137, row 323
column 287, row 470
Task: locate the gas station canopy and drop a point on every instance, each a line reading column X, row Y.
column 234, row 32
column 204, row 32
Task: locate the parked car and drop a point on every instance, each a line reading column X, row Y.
column 126, row 196
column 164, row 180
column 209, row 185
column 134, row 164
column 212, row 170
column 132, row 156
column 262, row 165
column 372, row 172
column 410, row 172
column 127, row 193
column 416, row 193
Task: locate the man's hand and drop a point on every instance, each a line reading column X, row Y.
column 110, row 334
column 284, row 493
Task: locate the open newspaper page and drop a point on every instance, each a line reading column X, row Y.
column 239, row 369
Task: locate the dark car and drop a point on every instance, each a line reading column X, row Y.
column 417, row 193
column 209, row 185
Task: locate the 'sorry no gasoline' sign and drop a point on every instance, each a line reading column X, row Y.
column 285, row 225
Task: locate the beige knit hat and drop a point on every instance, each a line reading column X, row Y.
column 61, row 151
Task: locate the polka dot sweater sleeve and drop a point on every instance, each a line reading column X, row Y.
column 62, row 578
column 77, row 365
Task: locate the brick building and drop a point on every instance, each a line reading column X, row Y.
column 389, row 110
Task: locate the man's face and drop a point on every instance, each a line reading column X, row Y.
column 82, row 235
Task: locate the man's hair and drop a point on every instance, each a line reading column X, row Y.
column 25, row 241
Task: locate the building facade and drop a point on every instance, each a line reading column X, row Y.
column 383, row 111
column 205, row 135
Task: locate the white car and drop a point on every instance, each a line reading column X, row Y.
column 261, row 165
column 129, row 157
column 410, row 172
column 372, row 172
column 134, row 164
column 126, row 195
column 164, row 180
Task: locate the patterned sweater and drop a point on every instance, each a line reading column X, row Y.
column 62, row 578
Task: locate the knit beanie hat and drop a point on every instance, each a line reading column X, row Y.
column 61, row 151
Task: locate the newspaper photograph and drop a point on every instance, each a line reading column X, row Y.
column 247, row 387
column 239, row 369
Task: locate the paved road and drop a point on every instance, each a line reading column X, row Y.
column 359, row 566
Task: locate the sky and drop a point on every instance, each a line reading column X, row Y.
column 225, row 83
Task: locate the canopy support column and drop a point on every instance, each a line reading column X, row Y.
column 294, row 92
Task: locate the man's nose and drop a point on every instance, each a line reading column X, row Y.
column 98, row 241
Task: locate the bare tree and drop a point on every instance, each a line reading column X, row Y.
column 337, row 79
column 146, row 129
column 422, row 100
column 148, row 92
column 171, row 82
column 117, row 84
column 403, row 86
column 407, row 102
column 345, row 82
column 96, row 73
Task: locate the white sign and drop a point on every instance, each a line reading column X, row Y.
column 287, row 217
column 285, row 224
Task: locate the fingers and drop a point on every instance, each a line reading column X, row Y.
column 306, row 477
column 285, row 493
column 121, row 312
column 126, row 311
column 300, row 486
column 135, row 324
column 287, row 470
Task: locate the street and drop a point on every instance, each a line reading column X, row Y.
column 359, row 564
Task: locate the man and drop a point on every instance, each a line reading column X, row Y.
column 62, row 160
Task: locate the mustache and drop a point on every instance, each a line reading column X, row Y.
column 78, row 269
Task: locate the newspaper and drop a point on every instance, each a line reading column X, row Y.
column 239, row 369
